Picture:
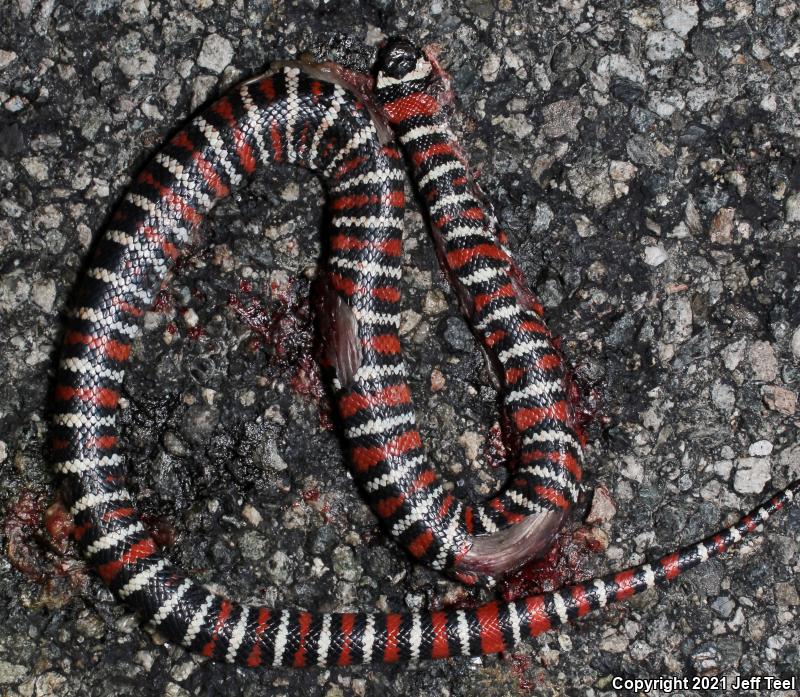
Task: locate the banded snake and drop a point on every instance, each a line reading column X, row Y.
column 309, row 116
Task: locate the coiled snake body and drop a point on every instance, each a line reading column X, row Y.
column 301, row 115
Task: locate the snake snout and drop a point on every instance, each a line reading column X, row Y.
column 397, row 57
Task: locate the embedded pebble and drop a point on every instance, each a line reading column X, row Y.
column 11, row 672
column 705, row 660
column 592, row 184
column 458, row 336
column 215, row 54
column 760, row 448
column 279, row 565
column 733, row 354
column 763, row 361
column 140, row 63
column 7, row 58
column 655, row 255
column 561, row 118
column 543, row 216
column 680, row 16
column 723, row 396
column 621, row 171
column 722, row 226
column 786, row 594
column 44, row 294
column 345, row 564
column 174, row 690
column 471, row 442
column 780, row 399
column 491, row 68
column 620, row 66
column 724, row 606
column 678, row 318
column 793, row 208
column 251, row 515
column 254, row 547
column 602, row 508
column 751, row 474
column 664, row 46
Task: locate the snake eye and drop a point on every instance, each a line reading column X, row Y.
column 397, row 58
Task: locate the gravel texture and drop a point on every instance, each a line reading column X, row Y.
column 644, row 160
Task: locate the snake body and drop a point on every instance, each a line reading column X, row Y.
column 296, row 114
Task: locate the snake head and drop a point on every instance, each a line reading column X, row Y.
column 399, row 62
column 397, row 57
column 404, row 71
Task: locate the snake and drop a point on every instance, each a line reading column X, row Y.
column 317, row 117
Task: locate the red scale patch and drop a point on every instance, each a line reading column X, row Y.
column 391, row 653
column 210, row 176
column 412, row 105
column 392, row 396
column 304, row 623
column 468, row 522
column 491, row 635
column 254, row 659
column 222, row 617
column 535, row 327
column 275, row 138
column 348, row 622
column 439, row 647
column 579, row 593
column 175, row 202
column 383, row 344
column 101, row 396
column 267, row 87
column 525, row 418
column 388, row 294
column 127, row 308
column 494, row 337
column 117, row 513
column 349, row 166
column 672, row 566
column 395, row 199
column 552, row 495
column 392, row 248
column 539, row 621
column 460, row 257
column 447, row 504
column 561, row 459
column 420, row 544
column 626, row 586
column 115, row 350
column 420, row 156
column 139, row 550
column 366, row 458
column 386, row 508
column 243, row 150
column 468, row 214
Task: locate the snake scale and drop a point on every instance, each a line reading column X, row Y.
column 308, row 116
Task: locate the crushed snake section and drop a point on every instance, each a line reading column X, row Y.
column 294, row 115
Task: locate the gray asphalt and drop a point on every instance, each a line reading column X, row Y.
column 643, row 157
